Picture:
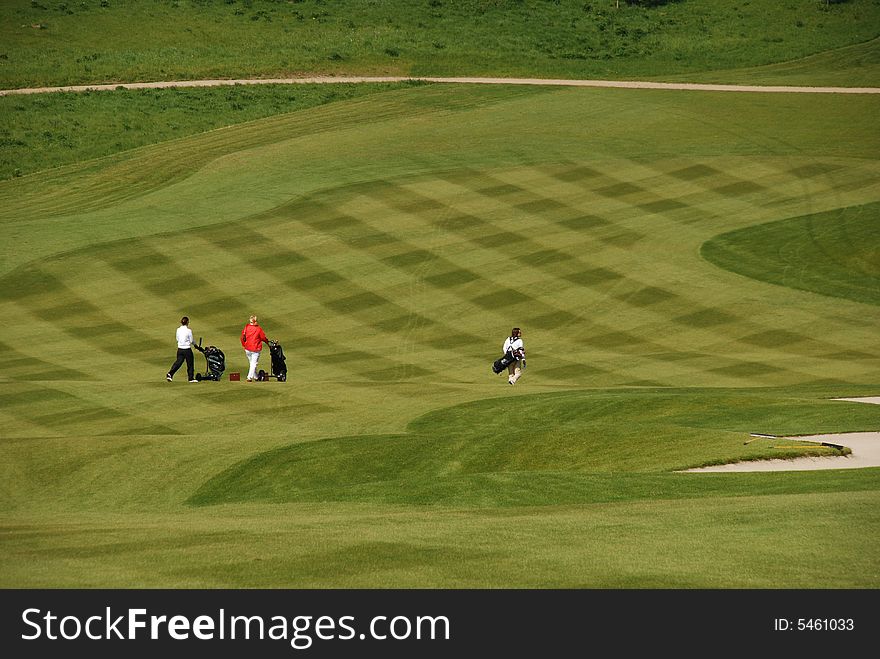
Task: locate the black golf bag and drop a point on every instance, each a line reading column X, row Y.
column 279, row 365
column 500, row 364
column 216, row 362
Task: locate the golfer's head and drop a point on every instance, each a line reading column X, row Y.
column 184, row 320
column 253, row 320
column 515, row 332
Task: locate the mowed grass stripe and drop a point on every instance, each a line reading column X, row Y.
column 59, row 412
column 20, row 366
column 341, row 297
column 414, row 260
column 502, row 196
column 418, row 262
column 372, row 308
column 598, row 340
column 55, row 303
column 642, row 297
column 682, row 194
column 494, row 294
column 338, row 293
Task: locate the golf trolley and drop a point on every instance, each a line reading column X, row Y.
column 216, row 362
column 279, row 367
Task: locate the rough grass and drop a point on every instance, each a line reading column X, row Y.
column 857, row 65
column 44, row 131
column 47, row 43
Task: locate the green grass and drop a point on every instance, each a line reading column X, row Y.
column 612, row 127
column 48, row 43
column 742, row 542
column 601, row 447
column 848, row 66
column 835, row 253
column 44, row 131
column 390, row 240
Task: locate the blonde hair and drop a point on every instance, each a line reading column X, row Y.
column 253, row 319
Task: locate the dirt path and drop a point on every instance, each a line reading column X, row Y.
column 625, row 84
column 865, row 447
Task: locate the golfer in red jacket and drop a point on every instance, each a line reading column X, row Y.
column 252, row 339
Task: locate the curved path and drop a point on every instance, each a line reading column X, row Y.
column 865, row 447
column 626, row 84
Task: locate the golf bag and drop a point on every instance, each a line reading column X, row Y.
column 500, row 364
column 216, row 362
column 279, row 366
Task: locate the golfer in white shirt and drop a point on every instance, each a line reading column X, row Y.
column 514, row 344
column 184, row 352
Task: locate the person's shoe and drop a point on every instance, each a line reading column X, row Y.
column 193, row 380
column 511, row 382
column 250, row 379
column 168, row 377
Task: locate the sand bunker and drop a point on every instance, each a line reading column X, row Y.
column 865, row 447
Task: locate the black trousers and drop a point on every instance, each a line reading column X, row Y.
column 184, row 354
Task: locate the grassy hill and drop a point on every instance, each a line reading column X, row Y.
column 49, row 43
column 691, row 40
column 656, row 247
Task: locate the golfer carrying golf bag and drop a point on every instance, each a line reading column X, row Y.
column 514, row 357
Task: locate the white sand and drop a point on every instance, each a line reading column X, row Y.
column 865, row 448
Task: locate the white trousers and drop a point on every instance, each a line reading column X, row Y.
column 515, row 371
column 253, row 358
